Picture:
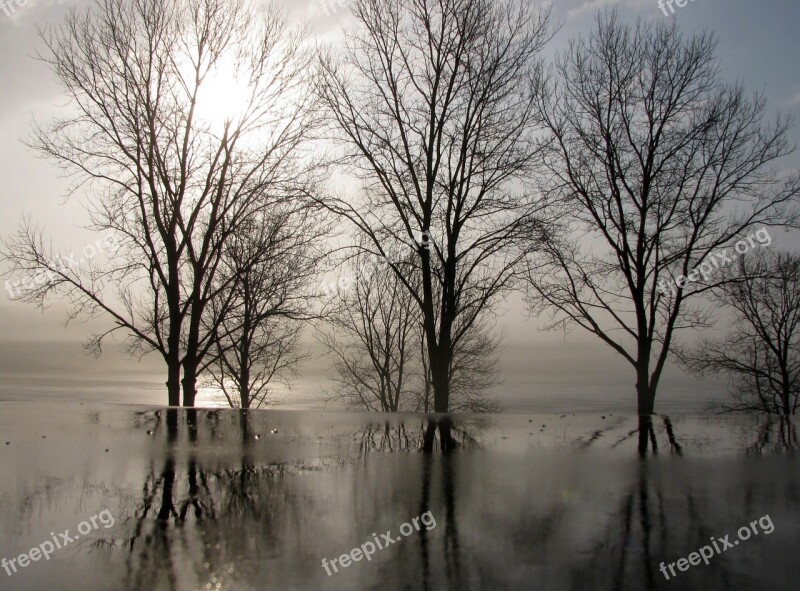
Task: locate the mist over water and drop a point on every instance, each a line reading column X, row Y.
column 574, row 378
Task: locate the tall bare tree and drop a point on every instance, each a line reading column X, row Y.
column 434, row 106
column 659, row 167
column 762, row 351
column 171, row 183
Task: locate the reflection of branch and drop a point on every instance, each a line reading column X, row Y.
column 583, row 444
column 787, row 436
column 213, row 497
column 396, row 438
column 674, row 445
column 390, row 439
column 148, row 493
column 193, row 499
column 625, row 437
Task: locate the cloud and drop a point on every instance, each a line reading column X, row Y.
column 593, row 5
column 13, row 11
column 793, row 101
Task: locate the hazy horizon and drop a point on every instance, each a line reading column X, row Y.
column 554, row 377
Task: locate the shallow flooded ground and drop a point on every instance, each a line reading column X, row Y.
column 214, row 499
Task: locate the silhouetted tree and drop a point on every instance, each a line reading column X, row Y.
column 374, row 328
column 434, row 104
column 378, row 345
column 170, row 183
column 269, row 265
column 761, row 353
column 658, row 167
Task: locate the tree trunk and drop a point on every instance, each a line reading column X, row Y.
column 244, row 346
column 172, row 356
column 244, row 384
column 438, row 349
column 174, row 383
column 441, row 386
column 189, row 382
column 645, row 395
column 785, row 388
column 646, row 399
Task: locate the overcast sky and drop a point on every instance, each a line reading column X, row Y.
column 758, row 45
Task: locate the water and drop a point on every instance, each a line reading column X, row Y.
column 218, row 499
column 551, row 378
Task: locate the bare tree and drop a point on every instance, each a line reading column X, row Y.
column 378, row 345
column 270, row 264
column 434, row 106
column 473, row 371
column 374, row 330
column 171, row 183
column 659, row 168
column 762, row 352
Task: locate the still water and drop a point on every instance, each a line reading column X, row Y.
column 228, row 500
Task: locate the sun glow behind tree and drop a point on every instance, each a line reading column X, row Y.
column 225, row 95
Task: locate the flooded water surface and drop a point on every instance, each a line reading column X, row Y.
column 214, row 499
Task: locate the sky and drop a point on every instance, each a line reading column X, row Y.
column 758, row 46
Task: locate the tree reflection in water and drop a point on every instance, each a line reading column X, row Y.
column 193, row 525
column 219, row 503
